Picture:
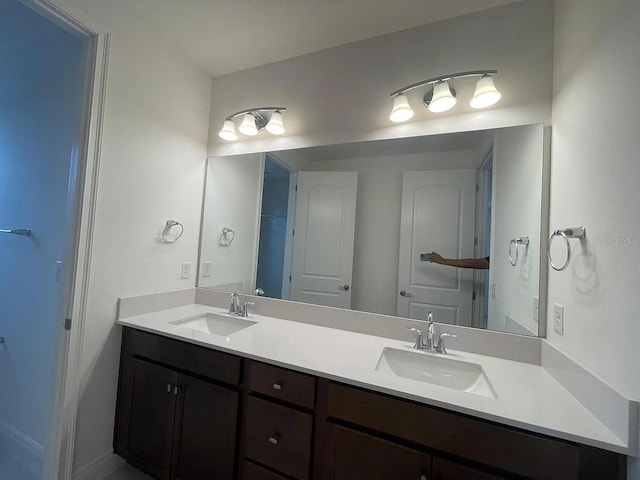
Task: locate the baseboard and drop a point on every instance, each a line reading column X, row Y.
column 100, row 468
column 21, row 447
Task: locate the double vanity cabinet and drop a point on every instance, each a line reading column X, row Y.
column 193, row 413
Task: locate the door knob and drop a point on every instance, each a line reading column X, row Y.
column 404, row 293
column 343, row 287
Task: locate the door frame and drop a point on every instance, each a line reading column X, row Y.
column 58, row 461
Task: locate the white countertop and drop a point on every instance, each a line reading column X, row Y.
column 351, row 358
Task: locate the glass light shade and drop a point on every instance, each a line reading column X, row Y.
column 248, row 125
column 401, row 111
column 486, row 93
column 442, row 99
column 275, row 125
column 228, row 131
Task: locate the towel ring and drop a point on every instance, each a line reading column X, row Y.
column 516, row 242
column 224, row 240
column 169, row 226
column 566, row 233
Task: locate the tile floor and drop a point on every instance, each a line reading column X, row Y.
column 127, row 472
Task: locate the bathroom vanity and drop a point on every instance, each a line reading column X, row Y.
column 195, row 405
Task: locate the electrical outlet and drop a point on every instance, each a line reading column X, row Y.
column 536, row 308
column 493, row 290
column 185, row 270
column 558, row 318
column 206, row 269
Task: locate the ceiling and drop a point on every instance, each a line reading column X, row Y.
column 225, row 36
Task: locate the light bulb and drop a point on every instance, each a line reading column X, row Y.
column 248, row 125
column 486, row 93
column 442, row 99
column 401, row 111
column 228, row 131
column 275, row 125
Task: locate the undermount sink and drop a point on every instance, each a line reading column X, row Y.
column 437, row 370
column 215, row 324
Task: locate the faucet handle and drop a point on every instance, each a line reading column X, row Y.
column 244, row 309
column 442, row 348
column 419, row 342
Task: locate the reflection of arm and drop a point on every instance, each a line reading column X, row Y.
column 477, row 263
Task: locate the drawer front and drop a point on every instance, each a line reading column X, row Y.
column 278, row 437
column 182, row 355
column 444, row 470
column 251, row 471
column 275, row 382
column 465, row 437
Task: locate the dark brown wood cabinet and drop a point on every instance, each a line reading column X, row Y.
column 169, row 423
column 352, row 455
column 179, row 407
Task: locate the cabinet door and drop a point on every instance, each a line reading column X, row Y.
column 205, row 426
column 445, row 470
column 150, row 416
column 351, row 455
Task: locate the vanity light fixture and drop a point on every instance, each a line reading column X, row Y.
column 441, row 97
column 254, row 120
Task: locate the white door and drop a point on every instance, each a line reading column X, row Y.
column 323, row 240
column 438, row 213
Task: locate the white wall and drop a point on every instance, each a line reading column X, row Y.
column 378, row 206
column 516, row 212
column 152, row 169
column 594, row 182
column 233, row 200
column 40, row 96
column 342, row 94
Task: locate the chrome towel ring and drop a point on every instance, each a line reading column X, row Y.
column 225, row 240
column 566, row 234
column 517, row 241
column 168, row 235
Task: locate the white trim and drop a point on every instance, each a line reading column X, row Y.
column 21, row 447
column 100, row 468
column 70, row 394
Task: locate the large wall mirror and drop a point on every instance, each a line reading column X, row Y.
column 352, row 226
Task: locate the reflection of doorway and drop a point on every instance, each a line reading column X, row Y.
column 484, row 181
column 274, row 253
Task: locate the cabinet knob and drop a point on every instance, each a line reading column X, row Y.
column 278, row 385
column 168, row 388
column 273, row 439
column 176, row 389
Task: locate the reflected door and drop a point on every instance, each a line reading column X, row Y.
column 438, row 211
column 323, row 240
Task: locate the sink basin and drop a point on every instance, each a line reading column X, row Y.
column 437, row 370
column 215, row 324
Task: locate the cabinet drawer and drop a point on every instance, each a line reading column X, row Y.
column 279, row 437
column 275, row 382
column 444, row 470
column 251, row 471
column 456, row 434
column 182, row 355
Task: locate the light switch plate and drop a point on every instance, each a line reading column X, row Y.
column 536, row 308
column 206, row 269
column 558, row 318
column 185, row 270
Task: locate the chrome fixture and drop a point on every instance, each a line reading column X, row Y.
column 26, row 232
column 429, row 344
column 259, row 292
column 237, row 307
column 441, row 347
column 441, row 97
column 172, row 231
column 517, row 241
column 566, row 233
column 253, row 121
column 226, row 237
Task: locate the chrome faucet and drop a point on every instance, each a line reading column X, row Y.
column 428, row 344
column 237, row 307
